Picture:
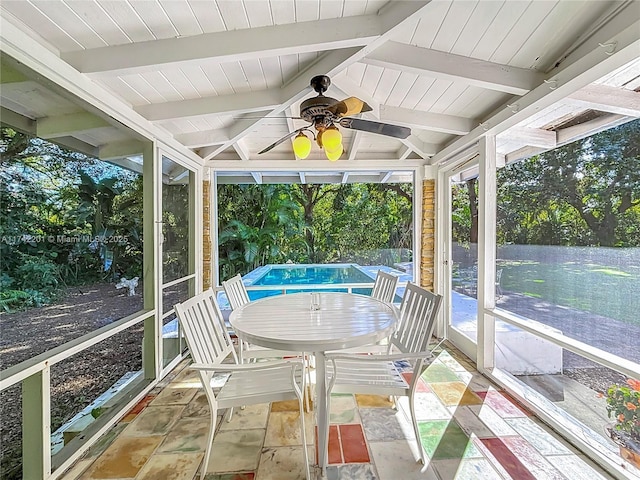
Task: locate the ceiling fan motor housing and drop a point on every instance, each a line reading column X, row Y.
column 315, row 110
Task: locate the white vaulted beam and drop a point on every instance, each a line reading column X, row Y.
column 425, row 150
column 384, row 177
column 236, row 104
column 607, row 99
column 404, row 152
column 242, row 150
column 457, row 68
column 233, row 45
column 257, row 177
column 392, row 17
column 436, row 122
column 127, row 148
column 533, row 137
column 65, row 125
column 581, row 67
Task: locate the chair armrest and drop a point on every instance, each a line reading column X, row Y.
column 230, row 367
column 380, row 357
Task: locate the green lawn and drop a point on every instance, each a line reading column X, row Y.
column 607, row 291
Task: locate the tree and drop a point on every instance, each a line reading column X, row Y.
column 594, row 181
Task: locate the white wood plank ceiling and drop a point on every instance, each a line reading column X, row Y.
column 222, row 76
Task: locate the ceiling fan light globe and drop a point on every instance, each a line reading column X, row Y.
column 334, row 155
column 331, row 139
column 302, row 146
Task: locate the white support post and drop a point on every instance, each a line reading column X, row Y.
column 442, row 261
column 486, row 252
column 152, row 262
column 36, row 425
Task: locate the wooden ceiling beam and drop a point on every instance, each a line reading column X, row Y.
column 457, row 68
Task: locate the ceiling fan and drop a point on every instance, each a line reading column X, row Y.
column 324, row 113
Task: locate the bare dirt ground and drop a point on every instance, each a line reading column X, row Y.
column 77, row 381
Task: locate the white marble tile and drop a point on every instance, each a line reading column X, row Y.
column 543, row 441
column 397, row 460
column 385, row 424
column 344, row 409
column 357, row 471
column 576, row 467
column 474, row 381
column 470, row 423
column 492, row 420
column 466, row 469
column 428, row 407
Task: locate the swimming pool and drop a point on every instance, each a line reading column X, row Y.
column 294, row 277
column 312, row 275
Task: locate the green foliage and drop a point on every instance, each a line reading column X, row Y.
column 583, row 193
column 60, row 212
column 262, row 224
column 623, row 404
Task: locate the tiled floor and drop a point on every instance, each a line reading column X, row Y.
column 468, row 427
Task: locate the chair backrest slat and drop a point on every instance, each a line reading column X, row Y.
column 204, row 329
column 384, row 288
column 418, row 312
column 236, row 292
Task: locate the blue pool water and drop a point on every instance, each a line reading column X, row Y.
column 294, row 277
column 312, row 275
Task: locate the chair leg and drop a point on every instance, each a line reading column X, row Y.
column 207, row 454
column 305, row 452
column 306, row 361
column 416, row 430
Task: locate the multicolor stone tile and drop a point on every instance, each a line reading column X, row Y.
column 171, row 467
column 538, row 436
column 372, row 401
column 466, row 469
column 343, row 409
column 455, row 393
column 502, row 403
column 283, row 429
column 386, row 424
column 124, row 458
column 249, row 417
column 468, row 429
column 438, row 372
column 350, row 472
column 282, row 463
column 154, row 421
column 188, row 435
column 445, row 439
column 236, row 451
column 174, row 396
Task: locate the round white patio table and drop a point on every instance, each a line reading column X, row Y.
column 289, row 322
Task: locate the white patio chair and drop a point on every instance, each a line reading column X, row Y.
column 238, row 296
column 384, row 288
column 379, row 374
column 210, row 344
